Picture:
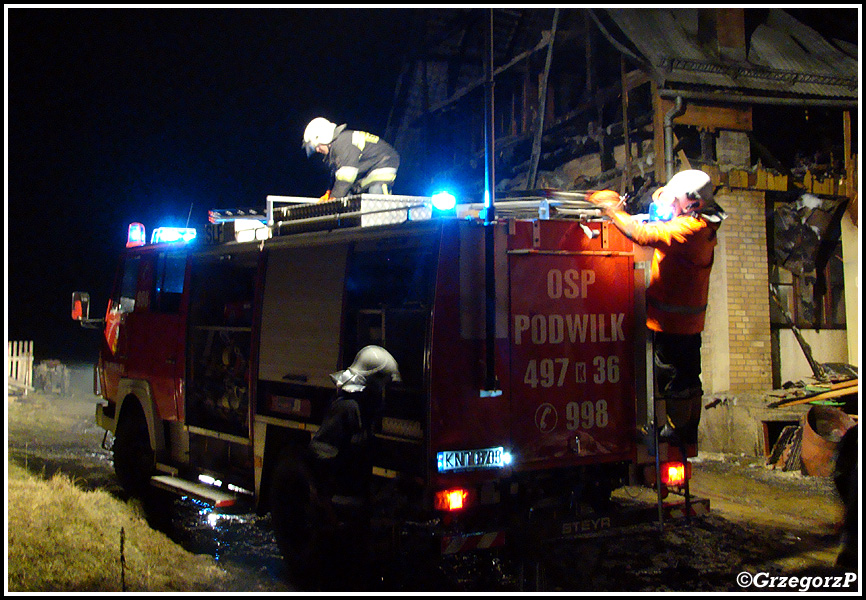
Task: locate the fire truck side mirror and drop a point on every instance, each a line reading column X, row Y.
column 81, row 310
column 80, row 306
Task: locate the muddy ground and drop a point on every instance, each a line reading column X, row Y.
column 763, row 524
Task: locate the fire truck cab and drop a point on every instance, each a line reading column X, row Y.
column 216, row 355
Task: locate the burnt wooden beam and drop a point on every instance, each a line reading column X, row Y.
column 542, row 104
column 734, row 117
column 470, row 22
column 542, row 44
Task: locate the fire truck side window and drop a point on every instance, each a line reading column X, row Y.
column 168, row 283
column 129, row 284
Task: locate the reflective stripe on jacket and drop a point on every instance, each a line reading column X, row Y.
column 357, row 155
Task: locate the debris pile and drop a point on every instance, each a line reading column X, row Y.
column 810, row 446
column 822, row 393
column 51, row 376
column 785, row 455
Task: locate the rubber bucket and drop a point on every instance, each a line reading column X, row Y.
column 823, row 428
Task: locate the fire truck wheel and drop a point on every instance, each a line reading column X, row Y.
column 299, row 522
column 133, row 456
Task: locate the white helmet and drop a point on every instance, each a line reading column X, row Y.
column 691, row 184
column 694, row 185
column 372, row 365
column 318, row 131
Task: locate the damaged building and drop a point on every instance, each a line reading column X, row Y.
column 624, row 98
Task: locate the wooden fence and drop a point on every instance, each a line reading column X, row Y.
column 20, row 366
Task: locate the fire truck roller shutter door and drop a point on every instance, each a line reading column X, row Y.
column 303, row 301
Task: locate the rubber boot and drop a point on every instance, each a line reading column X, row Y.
column 685, row 416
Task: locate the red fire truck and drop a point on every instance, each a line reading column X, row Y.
column 520, row 342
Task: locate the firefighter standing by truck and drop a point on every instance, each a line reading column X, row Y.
column 341, row 446
column 360, row 162
column 341, row 456
column 683, row 238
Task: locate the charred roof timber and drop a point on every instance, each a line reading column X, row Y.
column 587, row 82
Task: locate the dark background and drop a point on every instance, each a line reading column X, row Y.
column 157, row 115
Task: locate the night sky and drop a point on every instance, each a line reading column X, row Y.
column 156, row 116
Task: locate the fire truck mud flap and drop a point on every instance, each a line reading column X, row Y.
column 106, row 417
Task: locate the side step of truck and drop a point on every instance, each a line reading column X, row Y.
column 199, row 491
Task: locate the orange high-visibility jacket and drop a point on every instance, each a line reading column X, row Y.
column 682, row 261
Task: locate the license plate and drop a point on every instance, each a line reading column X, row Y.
column 461, row 460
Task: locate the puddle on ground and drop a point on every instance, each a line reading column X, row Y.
column 240, row 542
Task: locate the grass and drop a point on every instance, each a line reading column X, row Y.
column 63, row 538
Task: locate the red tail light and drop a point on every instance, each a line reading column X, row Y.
column 451, row 500
column 675, row 473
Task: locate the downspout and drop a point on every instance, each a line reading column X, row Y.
column 676, row 111
column 672, row 114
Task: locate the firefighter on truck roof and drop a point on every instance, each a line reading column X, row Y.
column 360, row 162
column 684, row 239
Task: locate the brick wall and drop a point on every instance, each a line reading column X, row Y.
column 747, row 318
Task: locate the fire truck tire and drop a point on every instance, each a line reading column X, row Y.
column 298, row 519
column 133, row 456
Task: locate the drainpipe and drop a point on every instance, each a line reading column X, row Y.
column 676, row 111
column 672, row 114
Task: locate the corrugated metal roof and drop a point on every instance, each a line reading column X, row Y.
column 785, row 57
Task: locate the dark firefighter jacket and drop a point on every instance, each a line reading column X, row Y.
column 359, row 157
column 342, row 445
column 682, row 261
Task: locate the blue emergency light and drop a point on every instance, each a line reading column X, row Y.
column 444, row 201
column 172, row 234
column 135, row 235
column 661, row 211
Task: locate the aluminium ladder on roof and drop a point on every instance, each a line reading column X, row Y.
column 286, row 215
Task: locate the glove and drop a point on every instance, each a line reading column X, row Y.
column 325, row 197
column 605, row 199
